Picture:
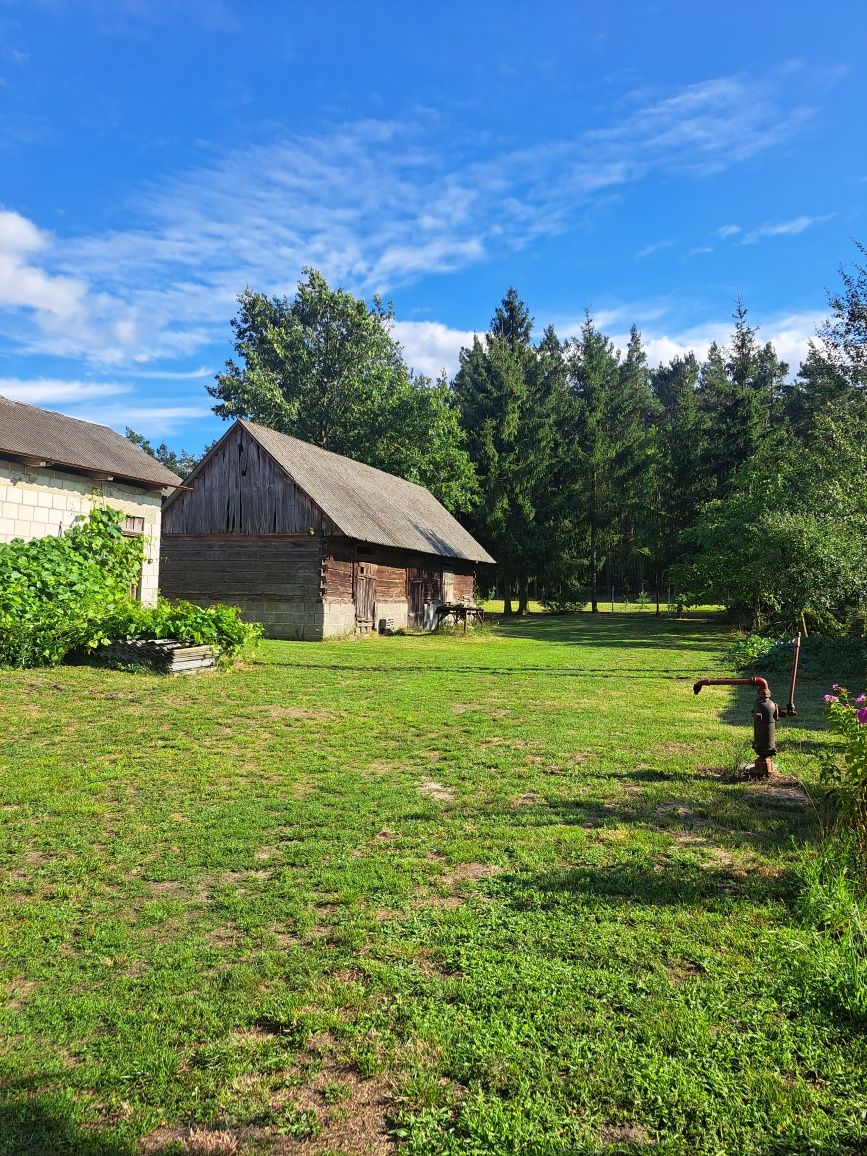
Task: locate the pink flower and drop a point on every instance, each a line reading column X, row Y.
column 836, row 686
column 861, row 715
column 861, row 699
column 831, row 698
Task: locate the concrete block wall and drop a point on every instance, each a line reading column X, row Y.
column 41, row 503
column 338, row 618
column 399, row 611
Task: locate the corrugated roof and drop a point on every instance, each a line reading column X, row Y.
column 31, row 432
column 369, row 504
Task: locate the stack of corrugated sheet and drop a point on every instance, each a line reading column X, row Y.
column 160, row 654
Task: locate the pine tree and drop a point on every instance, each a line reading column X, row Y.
column 594, row 379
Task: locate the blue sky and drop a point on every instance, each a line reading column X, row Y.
column 648, row 161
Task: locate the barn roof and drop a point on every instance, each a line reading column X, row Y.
column 368, row 504
column 27, row 431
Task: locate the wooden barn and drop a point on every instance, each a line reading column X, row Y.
column 310, row 543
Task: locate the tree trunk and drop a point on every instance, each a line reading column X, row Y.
column 523, row 595
column 594, row 570
column 507, row 598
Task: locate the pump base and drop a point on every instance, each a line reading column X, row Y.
column 762, row 768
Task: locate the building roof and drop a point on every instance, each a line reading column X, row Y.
column 368, row 504
column 26, row 431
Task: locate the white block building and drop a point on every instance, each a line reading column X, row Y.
column 54, row 468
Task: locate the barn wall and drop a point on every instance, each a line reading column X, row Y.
column 241, row 490
column 274, row 580
column 408, row 586
column 37, row 502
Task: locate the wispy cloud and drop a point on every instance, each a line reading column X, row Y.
column 373, row 204
column 784, row 228
column 697, row 251
column 43, row 391
column 654, row 248
column 726, row 231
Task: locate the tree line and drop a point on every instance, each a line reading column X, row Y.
column 580, row 466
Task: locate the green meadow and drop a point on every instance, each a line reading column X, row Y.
column 433, row 895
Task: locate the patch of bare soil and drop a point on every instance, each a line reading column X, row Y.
column 683, row 971
column 380, row 767
column 623, row 1134
column 222, row 937
column 470, row 873
column 298, row 712
column 681, row 812
column 195, row 1141
column 777, row 791
column 444, row 901
column 169, row 887
column 435, row 790
column 18, row 992
column 351, row 1113
column 525, row 800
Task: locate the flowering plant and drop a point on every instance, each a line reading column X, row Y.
column 848, row 718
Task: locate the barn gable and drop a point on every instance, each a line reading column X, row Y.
column 238, row 488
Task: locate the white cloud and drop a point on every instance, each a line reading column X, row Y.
column 726, row 231
column 43, row 391
column 784, row 228
column 654, row 248
column 373, row 204
column 429, row 346
column 23, row 284
column 788, row 333
column 154, row 421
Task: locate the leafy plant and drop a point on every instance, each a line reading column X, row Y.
column 848, row 780
column 219, row 626
column 73, row 593
column 56, row 593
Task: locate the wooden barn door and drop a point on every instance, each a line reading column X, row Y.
column 365, row 596
column 424, row 587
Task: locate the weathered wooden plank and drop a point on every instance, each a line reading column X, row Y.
column 241, row 490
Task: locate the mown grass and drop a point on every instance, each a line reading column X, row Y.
column 430, row 894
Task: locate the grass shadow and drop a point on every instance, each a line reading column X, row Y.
column 43, row 1126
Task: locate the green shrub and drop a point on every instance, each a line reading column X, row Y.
column 846, row 778
column 56, row 593
column 831, row 953
column 821, row 657
column 219, row 626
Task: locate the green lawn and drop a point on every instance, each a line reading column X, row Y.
column 431, row 894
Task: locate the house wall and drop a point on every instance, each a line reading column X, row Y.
column 274, row 579
column 241, row 490
column 41, row 503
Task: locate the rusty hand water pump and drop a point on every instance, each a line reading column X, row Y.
column 764, row 714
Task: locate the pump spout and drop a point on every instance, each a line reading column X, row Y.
column 760, row 682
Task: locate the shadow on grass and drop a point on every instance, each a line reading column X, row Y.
column 752, row 817
column 622, row 674
column 616, row 629
column 43, row 1126
column 647, row 885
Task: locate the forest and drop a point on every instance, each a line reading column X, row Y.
column 737, row 480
